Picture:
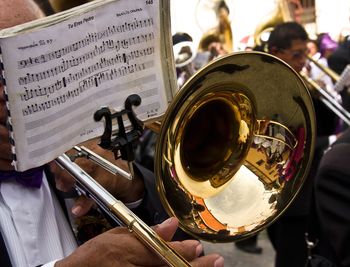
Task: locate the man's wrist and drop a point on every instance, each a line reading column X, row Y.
column 134, row 204
column 332, row 139
column 49, row 264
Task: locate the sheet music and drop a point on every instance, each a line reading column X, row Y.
column 57, row 77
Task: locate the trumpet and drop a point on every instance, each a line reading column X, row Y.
column 233, row 151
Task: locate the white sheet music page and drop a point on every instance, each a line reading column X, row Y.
column 58, row 76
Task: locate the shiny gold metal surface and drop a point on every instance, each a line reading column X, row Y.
column 235, row 146
column 221, row 33
column 282, row 13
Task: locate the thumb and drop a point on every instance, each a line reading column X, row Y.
column 167, row 229
column 82, row 205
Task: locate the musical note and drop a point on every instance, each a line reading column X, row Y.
column 101, row 64
column 106, row 46
column 93, row 81
column 90, row 38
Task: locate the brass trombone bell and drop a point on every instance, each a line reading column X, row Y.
column 235, row 146
column 233, row 151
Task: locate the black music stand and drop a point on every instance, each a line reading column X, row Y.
column 122, row 142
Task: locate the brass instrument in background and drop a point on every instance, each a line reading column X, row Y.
column 328, row 100
column 284, row 12
column 184, row 55
column 232, row 153
column 222, row 33
column 329, row 72
column 324, row 96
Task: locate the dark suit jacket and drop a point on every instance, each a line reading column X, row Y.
column 326, row 125
column 332, row 193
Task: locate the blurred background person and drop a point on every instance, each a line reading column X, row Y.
column 211, row 43
column 340, row 57
column 218, row 41
column 326, row 45
column 338, row 62
column 314, row 72
column 184, row 55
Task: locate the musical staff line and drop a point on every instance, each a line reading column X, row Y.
column 105, row 47
column 73, row 77
column 133, row 25
column 92, row 81
column 86, row 101
column 43, row 150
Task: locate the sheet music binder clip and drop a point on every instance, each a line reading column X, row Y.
column 121, row 143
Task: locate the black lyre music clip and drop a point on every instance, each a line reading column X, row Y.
column 122, row 142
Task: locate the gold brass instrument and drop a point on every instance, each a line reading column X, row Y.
column 284, row 12
column 329, row 72
column 115, row 208
column 328, row 100
column 233, row 151
column 184, row 54
column 222, row 33
column 340, row 81
column 325, row 96
column 226, row 144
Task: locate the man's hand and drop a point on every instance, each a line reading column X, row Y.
column 120, row 187
column 119, row 247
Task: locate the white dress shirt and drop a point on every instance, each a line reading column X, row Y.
column 317, row 74
column 33, row 225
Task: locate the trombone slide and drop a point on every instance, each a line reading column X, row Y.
column 334, row 76
column 120, row 213
column 329, row 101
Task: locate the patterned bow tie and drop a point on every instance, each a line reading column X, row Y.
column 29, row 178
